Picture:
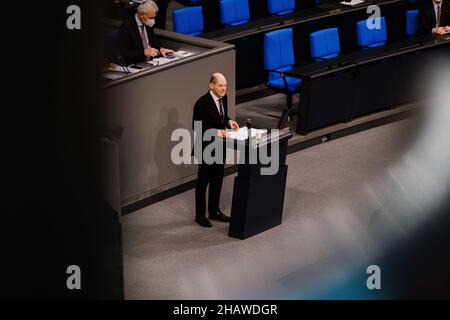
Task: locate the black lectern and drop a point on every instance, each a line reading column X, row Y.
column 258, row 197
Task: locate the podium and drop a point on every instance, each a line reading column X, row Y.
column 258, row 198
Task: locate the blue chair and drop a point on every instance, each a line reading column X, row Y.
column 412, row 22
column 371, row 38
column 279, row 7
column 279, row 58
column 325, row 44
column 234, row 12
column 188, row 21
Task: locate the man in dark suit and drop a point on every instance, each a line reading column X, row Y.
column 212, row 110
column 136, row 41
column 434, row 17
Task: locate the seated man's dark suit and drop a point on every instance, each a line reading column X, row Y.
column 427, row 16
column 129, row 42
column 205, row 110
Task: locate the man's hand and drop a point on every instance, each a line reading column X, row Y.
column 151, row 52
column 233, row 125
column 440, row 30
column 447, row 29
column 165, row 51
column 222, row 133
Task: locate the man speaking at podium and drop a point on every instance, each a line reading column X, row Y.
column 212, row 110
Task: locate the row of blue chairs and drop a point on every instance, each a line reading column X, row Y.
column 190, row 20
column 279, row 50
column 232, row 13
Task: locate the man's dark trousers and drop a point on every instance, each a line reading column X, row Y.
column 211, row 174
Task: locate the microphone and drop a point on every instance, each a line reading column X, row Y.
column 123, row 64
column 249, row 127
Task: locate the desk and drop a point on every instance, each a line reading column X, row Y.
column 151, row 104
column 248, row 38
column 366, row 81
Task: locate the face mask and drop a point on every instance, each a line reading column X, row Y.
column 150, row 22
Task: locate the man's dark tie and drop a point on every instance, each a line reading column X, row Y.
column 438, row 16
column 144, row 38
column 221, row 109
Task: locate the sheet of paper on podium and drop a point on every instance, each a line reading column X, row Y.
column 242, row 133
column 352, row 2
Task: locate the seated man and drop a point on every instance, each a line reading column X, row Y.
column 136, row 41
column 434, row 17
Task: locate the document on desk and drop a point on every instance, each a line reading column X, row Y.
column 352, row 2
column 163, row 60
column 183, row 54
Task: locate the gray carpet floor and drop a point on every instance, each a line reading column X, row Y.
column 265, row 112
column 168, row 256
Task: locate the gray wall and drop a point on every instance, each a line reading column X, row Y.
column 149, row 108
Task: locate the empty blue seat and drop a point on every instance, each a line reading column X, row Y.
column 370, row 38
column 412, row 22
column 188, row 21
column 279, row 58
column 325, row 44
column 234, row 12
column 278, row 7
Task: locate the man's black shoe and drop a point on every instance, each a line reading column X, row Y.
column 204, row 222
column 219, row 216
